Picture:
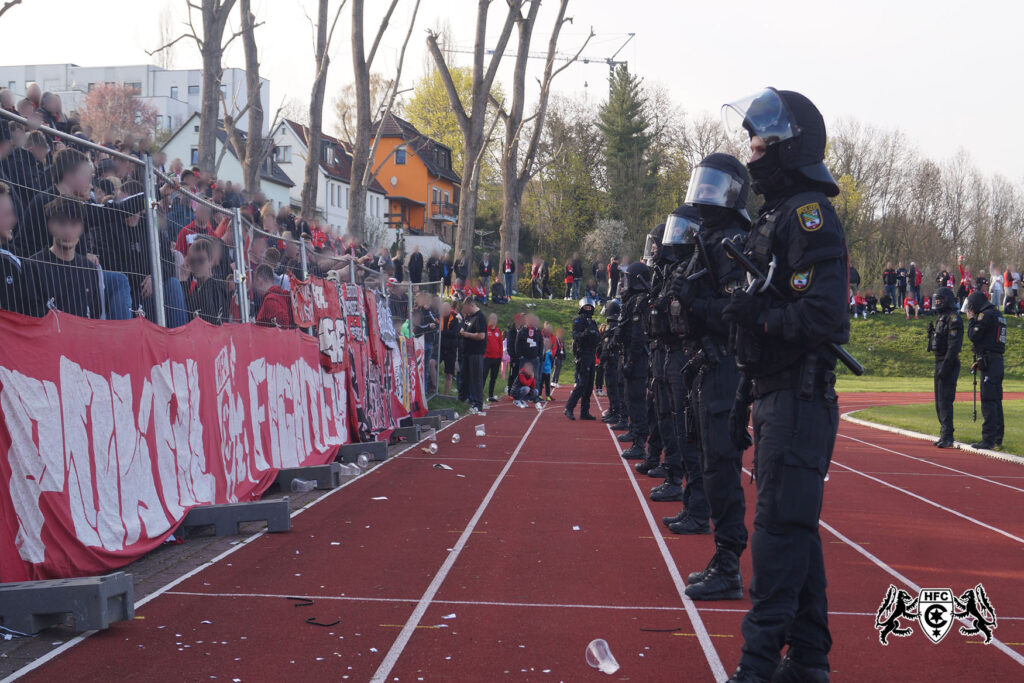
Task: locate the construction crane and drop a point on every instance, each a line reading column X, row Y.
column 565, row 57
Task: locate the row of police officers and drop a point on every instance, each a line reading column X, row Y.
column 702, row 339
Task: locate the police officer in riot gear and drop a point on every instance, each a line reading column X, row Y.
column 781, row 339
column 634, row 357
column 659, row 407
column 610, row 356
column 718, row 189
column 987, row 332
column 584, row 347
column 945, row 339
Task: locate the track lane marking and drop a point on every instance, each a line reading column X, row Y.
column 397, row 647
column 714, row 661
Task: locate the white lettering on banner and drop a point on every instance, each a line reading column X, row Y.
column 129, row 466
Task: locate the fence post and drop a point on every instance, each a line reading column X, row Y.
column 303, row 257
column 155, row 265
column 241, row 276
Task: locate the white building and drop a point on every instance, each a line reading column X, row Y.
column 333, row 180
column 184, row 144
column 175, row 94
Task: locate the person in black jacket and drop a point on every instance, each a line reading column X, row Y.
column 585, row 337
column 415, row 265
column 945, row 339
column 25, row 167
column 577, row 275
column 486, row 271
column 14, row 294
column 206, row 297
column 854, row 278
column 59, row 277
column 461, row 267
column 987, row 332
column 530, row 342
column 435, row 267
column 508, row 271
column 513, row 353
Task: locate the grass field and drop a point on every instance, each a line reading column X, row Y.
column 921, row 418
column 890, row 347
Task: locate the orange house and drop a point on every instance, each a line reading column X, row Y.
column 423, row 190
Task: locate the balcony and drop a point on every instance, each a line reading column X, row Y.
column 444, row 211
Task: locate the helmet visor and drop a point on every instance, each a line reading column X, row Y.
column 763, row 114
column 650, row 249
column 679, row 230
column 713, row 187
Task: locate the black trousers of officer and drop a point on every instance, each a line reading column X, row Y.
column 945, row 394
column 794, row 437
column 584, row 386
column 685, row 462
column 635, row 377
column 721, row 462
column 613, row 383
column 991, row 396
column 660, row 401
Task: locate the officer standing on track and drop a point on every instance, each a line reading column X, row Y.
column 782, row 344
column 584, row 348
column 677, row 248
column 611, row 356
column 945, row 339
column 718, row 188
column 634, row 357
column 659, row 404
column 987, row 333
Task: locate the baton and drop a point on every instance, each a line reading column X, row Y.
column 737, row 254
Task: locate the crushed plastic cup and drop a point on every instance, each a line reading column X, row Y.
column 473, row 410
column 456, row 415
column 350, row 469
column 302, row 485
column 539, row 406
column 600, row 657
column 481, row 430
column 363, row 460
column 432, row 435
column 432, row 449
column 456, row 438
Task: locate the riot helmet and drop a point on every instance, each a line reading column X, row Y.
column 793, row 131
column 677, row 242
column 720, row 181
column 587, row 306
column 944, row 301
column 652, row 247
column 612, row 310
column 638, row 277
column 977, row 301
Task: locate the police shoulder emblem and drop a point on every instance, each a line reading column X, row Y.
column 980, row 316
column 801, row 280
column 810, row 216
column 731, row 286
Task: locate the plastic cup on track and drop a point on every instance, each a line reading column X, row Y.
column 600, row 656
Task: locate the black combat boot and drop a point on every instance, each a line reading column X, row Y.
column 587, row 416
column 621, row 425
column 697, row 577
column 634, row 452
column 691, row 526
column 667, row 491
column 790, row 671
column 610, row 418
column 658, row 472
column 746, row 675
column 683, row 514
column 647, row 466
column 945, row 443
column 722, row 581
column 627, row 437
column 568, row 414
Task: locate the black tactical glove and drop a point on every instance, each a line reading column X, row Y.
column 739, row 416
column 683, row 290
column 745, row 310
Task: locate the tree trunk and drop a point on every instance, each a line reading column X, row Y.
column 511, row 219
column 361, row 144
column 314, row 134
column 254, row 148
column 215, row 16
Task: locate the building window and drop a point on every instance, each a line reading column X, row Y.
column 400, row 155
column 195, row 128
column 347, row 193
column 193, row 90
column 436, row 195
column 91, row 86
column 194, row 156
column 135, row 87
column 223, row 89
column 447, row 197
column 283, row 155
column 10, row 85
column 170, row 122
column 174, row 92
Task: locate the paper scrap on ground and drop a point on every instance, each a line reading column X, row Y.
column 575, row 527
column 380, row 498
column 441, row 466
column 449, row 616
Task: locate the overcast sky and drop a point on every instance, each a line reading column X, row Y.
column 947, row 73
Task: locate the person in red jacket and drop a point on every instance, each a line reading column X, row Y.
column 493, row 353
column 525, row 387
column 276, row 305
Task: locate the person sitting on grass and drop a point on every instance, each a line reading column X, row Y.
column 525, row 387
column 498, row 294
column 910, row 306
column 871, row 303
column 860, row 306
column 887, row 303
column 458, row 292
column 478, row 291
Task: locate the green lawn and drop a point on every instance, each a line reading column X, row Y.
column 921, row 418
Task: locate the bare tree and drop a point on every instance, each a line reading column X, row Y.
column 165, row 58
column 314, row 134
column 8, row 5
column 472, row 122
column 211, row 46
column 516, row 169
column 363, row 149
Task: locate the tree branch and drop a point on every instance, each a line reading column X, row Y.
column 171, row 44
column 380, row 33
column 8, row 5
column 458, row 107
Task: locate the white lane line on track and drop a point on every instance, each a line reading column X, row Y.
column 1014, row 655
column 931, row 462
column 56, row 652
column 710, row 653
column 391, row 658
column 931, row 502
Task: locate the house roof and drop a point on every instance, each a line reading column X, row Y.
column 423, row 146
column 341, row 167
column 274, row 175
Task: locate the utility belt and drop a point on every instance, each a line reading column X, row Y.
column 814, row 377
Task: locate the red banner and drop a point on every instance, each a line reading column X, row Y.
column 110, row 431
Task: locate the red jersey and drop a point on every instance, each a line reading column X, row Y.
column 494, row 343
column 527, row 380
column 187, row 235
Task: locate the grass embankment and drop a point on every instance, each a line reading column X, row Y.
column 921, row 418
column 890, row 347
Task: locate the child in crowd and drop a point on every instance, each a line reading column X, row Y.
column 546, row 363
column 910, row 306
column 525, row 387
column 860, row 306
column 492, row 353
column 926, row 306
column 558, row 353
column 887, row 303
column 871, row 303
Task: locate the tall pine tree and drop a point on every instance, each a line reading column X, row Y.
column 631, row 168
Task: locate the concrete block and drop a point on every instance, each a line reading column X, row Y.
column 326, row 476
column 226, row 518
column 377, row 450
column 93, row 602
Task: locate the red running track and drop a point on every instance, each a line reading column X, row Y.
column 505, row 567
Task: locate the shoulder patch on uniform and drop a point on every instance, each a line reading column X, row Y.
column 732, row 286
column 810, row 216
column 801, row 280
column 980, row 316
